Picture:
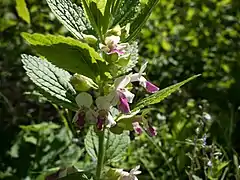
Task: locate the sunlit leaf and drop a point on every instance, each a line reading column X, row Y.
column 161, row 95
column 115, row 145
column 70, row 15
column 22, row 10
column 67, row 53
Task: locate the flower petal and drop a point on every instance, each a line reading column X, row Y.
column 151, row 87
column 137, row 128
column 112, row 40
column 103, row 102
column 84, row 99
column 142, row 69
column 122, row 81
column 110, row 121
column 123, row 104
column 151, row 131
column 130, row 96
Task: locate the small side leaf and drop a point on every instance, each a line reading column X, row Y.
column 161, row 95
column 70, row 15
column 52, row 81
column 115, row 145
column 22, row 10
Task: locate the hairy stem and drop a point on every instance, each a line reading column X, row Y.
column 101, row 154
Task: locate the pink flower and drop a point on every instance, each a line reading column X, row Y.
column 80, row 119
column 137, row 128
column 112, row 45
column 100, row 123
column 123, row 104
column 151, row 131
column 143, row 81
column 121, row 96
column 151, row 87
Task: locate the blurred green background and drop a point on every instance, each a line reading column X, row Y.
column 197, row 127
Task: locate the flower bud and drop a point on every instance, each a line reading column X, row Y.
column 82, row 83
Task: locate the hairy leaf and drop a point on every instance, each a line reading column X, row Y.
column 52, row 81
column 66, row 53
column 115, row 145
column 133, row 51
column 141, row 18
column 126, row 12
column 70, row 15
column 22, row 10
column 161, row 95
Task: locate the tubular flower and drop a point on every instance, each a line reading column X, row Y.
column 151, row 130
column 121, row 96
column 84, row 102
column 112, row 45
column 104, row 116
column 129, row 175
column 137, row 128
column 143, row 81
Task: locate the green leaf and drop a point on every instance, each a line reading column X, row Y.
column 73, row 176
column 161, row 95
column 39, row 127
column 141, row 18
column 101, row 5
column 133, row 51
column 115, row 145
column 70, row 15
column 127, row 10
column 53, row 82
column 66, row 53
column 22, row 10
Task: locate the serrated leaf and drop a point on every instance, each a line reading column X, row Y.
column 133, row 51
column 22, row 10
column 52, row 81
column 115, row 145
column 127, row 10
column 141, row 18
column 70, row 15
column 39, row 127
column 161, row 95
column 66, row 53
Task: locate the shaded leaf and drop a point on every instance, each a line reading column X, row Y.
column 53, row 82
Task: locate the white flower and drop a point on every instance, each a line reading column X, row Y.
column 129, row 175
column 143, row 81
column 84, row 102
column 112, row 45
column 121, row 96
column 104, row 117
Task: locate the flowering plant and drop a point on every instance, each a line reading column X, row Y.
column 94, row 75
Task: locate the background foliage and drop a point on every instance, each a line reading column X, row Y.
column 197, row 127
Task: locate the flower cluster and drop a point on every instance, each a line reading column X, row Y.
column 119, row 95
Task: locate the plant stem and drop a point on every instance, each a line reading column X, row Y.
column 101, row 154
